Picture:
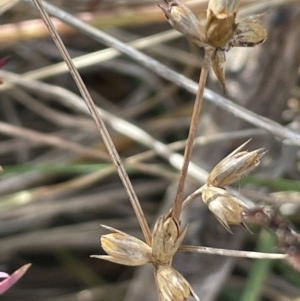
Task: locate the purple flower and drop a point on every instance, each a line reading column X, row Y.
column 9, row 281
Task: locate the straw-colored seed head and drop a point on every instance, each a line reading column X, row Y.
column 166, row 239
column 124, row 249
column 226, row 7
column 172, row 285
column 219, row 30
column 225, row 207
column 220, row 22
column 183, row 20
column 235, row 166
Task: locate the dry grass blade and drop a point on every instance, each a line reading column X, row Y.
column 137, row 134
column 48, row 139
column 91, row 59
column 7, row 4
column 13, row 33
column 262, row 6
column 101, row 126
column 232, row 253
column 203, row 140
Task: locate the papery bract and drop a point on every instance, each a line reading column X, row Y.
column 220, row 22
column 183, row 20
column 172, row 285
column 226, row 208
column 124, row 249
column 166, row 239
column 218, row 63
column 235, row 166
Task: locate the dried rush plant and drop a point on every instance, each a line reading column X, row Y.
column 220, row 32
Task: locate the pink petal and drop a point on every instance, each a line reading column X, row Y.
column 3, row 275
column 11, row 280
column 3, row 61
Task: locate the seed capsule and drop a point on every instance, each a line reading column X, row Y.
column 183, row 20
column 220, row 32
column 124, row 249
column 166, row 239
column 172, row 285
column 220, row 22
column 226, row 208
column 235, row 166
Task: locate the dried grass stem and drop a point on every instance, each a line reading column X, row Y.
column 100, row 124
column 192, row 134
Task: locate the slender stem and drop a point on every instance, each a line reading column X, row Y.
column 191, row 197
column 231, row 253
column 99, row 121
column 192, row 134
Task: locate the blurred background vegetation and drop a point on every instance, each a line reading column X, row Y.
column 56, row 188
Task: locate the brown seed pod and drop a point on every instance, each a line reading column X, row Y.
column 172, row 285
column 124, row 249
column 166, row 239
column 235, row 166
column 226, row 208
column 220, row 22
column 221, row 31
column 183, row 20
